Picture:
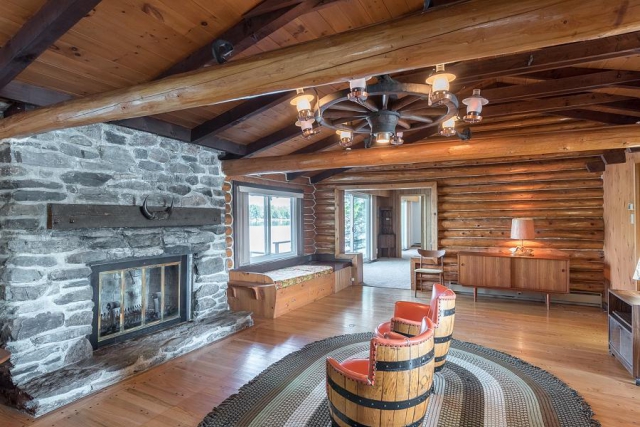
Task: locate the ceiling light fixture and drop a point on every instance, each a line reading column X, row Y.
column 387, row 109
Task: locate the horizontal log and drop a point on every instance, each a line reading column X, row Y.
column 538, row 213
column 505, row 223
column 528, row 195
column 525, row 186
column 615, row 137
column 511, row 243
column 524, row 177
column 515, row 206
column 595, row 235
column 443, row 173
column 402, row 44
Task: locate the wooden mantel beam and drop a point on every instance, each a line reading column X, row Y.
column 617, row 137
column 464, row 31
column 47, row 25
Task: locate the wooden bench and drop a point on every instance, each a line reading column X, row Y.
column 286, row 285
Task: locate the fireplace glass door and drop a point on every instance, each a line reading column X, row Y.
column 137, row 298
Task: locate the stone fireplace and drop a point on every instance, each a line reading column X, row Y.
column 50, row 313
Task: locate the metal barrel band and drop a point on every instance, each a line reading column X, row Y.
column 405, row 365
column 441, row 358
column 442, row 340
column 353, row 423
column 449, row 312
column 379, row 404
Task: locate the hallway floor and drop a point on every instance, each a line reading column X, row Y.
column 391, row 273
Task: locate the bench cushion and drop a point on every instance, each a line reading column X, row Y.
column 289, row 276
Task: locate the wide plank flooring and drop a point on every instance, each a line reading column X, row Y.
column 568, row 341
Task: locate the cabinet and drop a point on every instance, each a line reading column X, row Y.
column 624, row 329
column 386, row 236
column 547, row 274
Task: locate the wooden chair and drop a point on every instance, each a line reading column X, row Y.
column 431, row 263
column 391, row 387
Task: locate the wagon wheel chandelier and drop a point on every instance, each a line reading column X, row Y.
column 387, row 109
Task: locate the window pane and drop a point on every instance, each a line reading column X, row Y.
column 281, row 225
column 257, row 226
column 348, row 226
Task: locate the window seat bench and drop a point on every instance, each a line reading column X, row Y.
column 272, row 289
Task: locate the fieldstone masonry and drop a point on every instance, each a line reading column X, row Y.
column 45, row 293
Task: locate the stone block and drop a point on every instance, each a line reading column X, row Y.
column 212, row 181
column 141, row 153
column 20, row 275
column 24, row 328
column 5, row 153
column 158, row 155
column 83, row 318
column 150, row 166
column 196, row 168
column 29, row 183
column 81, row 140
column 44, row 159
column 118, row 155
column 64, row 334
column 143, row 139
column 76, row 295
column 181, row 190
column 207, row 266
column 12, row 171
column 115, row 138
column 75, row 151
column 70, row 274
column 204, row 191
column 86, row 257
column 192, row 180
column 38, row 196
column 144, row 241
column 17, row 293
column 32, row 261
column 190, row 159
column 37, row 355
column 88, row 179
column 79, row 350
column 75, row 283
column 171, row 145
column 21, row 224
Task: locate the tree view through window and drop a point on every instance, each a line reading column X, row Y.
column 271, row 226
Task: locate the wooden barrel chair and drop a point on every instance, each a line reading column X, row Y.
column 407, row 317
column 391, row 387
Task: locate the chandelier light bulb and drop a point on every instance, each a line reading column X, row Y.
column 448, row 127
column 398, row 140
column 358, row 89
column 346, row 138
column 383, row 137
column 474, row 107
column 303, row 104
column 439, row 82
column 307, row 127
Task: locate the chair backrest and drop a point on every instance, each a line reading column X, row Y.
column 409, row 310
column 443, row 309
column 437, row 257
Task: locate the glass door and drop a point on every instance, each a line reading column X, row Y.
column 357, row 224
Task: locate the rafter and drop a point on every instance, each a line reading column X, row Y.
column 546, row 143
column 47, row 25
column 272, row 140
column 595, row 116
column 326, row 175
column 384, row 48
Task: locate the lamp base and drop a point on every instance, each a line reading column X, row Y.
column 521, row 251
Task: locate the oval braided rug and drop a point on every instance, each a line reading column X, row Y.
column 478, row 387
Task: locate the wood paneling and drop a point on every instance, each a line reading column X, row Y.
column 620, row 183
column 476, row 204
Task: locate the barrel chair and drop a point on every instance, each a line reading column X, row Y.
column 407, row 316
column 391, row 387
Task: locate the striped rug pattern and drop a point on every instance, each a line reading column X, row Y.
column 478, row 387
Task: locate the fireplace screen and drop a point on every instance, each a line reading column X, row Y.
column 137, row 297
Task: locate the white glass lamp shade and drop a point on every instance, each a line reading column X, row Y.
column 305, row 125
column 303, row 104
column 636, row 274
column 474, row 107
column 346, row 138
column 358, row 83
column 383, row 137
column 440, row 80
column 448, row 127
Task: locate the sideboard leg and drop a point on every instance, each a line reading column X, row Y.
column 548, row 301
column 475, row 294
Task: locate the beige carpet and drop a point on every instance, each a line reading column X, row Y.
column 392, row 273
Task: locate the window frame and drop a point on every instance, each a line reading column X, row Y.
column 241, row 223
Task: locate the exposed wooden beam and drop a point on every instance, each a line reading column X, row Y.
column 257, row 24
column 560, row 103
column 326, row 175
column 237, row 115
column 549, row 58
column 562, row 86
column 595, row 116
column 612, row 157
column 596, row 166
column 618, row 137
column 47, row 25
column 276, row 138
column 156, row 126
column 407, row 43
column 33, row 95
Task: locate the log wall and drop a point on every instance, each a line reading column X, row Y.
column 308, row 209
column 476, row 204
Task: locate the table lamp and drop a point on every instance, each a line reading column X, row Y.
column 522, row 228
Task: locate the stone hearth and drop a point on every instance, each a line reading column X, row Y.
column 45, row 293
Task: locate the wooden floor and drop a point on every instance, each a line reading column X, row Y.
column 568, row 341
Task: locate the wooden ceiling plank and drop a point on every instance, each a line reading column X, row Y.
column 557, row 142
column 596, row 116
column 394, row 46
column 549, row 58
column 47, row 25
column 567, row 102
column 253, row 28
column 278, row 137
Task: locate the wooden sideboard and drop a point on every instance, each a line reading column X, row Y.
column 541, row 273
column 624, row 329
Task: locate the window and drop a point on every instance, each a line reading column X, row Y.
column 268, row 224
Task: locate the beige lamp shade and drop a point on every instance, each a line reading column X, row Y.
column 636, row 275
column 522, row 228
